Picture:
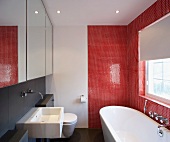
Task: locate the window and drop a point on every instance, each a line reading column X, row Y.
column 158, row 78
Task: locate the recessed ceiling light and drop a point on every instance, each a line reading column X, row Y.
column 36, row 12
column 117, row 11
column 58, row 11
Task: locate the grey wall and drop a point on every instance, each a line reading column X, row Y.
column 13, row 106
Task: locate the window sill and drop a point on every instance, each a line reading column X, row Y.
column 155, row 100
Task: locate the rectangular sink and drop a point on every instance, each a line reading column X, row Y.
column 43, row 122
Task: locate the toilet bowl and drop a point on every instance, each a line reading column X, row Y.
column 69, row 123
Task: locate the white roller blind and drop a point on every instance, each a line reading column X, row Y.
column 154, row 41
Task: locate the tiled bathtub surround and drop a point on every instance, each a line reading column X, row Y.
column 107, row 69
column 8, row 55
column 156, row 11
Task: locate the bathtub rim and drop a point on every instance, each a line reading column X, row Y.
column 112, row 131
column 123, row 107
column 128, row 108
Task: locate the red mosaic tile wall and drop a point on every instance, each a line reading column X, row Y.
column 156, row 11
column 107, row 69
column 8, row 55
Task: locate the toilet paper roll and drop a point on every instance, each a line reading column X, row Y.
column 82, row 99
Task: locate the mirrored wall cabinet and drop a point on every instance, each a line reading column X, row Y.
column 39, row 40
column 25, row 41
column 12, row 42
column 49, row 46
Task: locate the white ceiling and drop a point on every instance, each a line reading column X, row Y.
column 95, row 12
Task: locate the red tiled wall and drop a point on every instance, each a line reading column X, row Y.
column 142, row 78
column 156, row 11
column 8, row 55
column 107, row 69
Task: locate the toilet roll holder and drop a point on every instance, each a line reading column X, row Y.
column 83, row 99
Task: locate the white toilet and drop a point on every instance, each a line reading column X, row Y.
column 70, row 121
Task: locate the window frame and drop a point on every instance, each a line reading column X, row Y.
column 153, row 97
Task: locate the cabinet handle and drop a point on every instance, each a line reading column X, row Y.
column 52, row 100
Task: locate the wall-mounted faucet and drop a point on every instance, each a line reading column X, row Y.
column 30, row 91
column 151, row 114
column 156, row 116
column 23, row 94
column 160, row 118
column 164, row 120
column 41, row 95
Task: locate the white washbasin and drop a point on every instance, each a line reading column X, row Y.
column 43, row 122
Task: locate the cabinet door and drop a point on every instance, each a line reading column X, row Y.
column 49, row 44
column 35, row 39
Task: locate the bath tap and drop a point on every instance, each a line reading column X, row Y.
column 160, row 132
column 164, row 120
column 144, row 109
column 157, row 116
column 165, row 126
column 160, row 118
column 151, row 114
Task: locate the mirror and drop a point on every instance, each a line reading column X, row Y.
column 12, row 42
column 35, row 39
column 49, row 49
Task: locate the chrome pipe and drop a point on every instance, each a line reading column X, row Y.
column 145, row 108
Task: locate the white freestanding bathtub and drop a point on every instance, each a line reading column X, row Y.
column 122, row 124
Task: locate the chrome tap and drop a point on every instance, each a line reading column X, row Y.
column 157, row 116
column 159, row 131
column 165, row 126
column 144, row 109
column 30, row 91
column 41, row 95
column 164, row 120
column 23, row 94
column 151, row 114
column 160, row 118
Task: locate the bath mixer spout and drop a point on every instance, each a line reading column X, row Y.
column 160, row 132
column 165, row 126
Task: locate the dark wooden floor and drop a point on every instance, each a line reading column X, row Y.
column 84, row 135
